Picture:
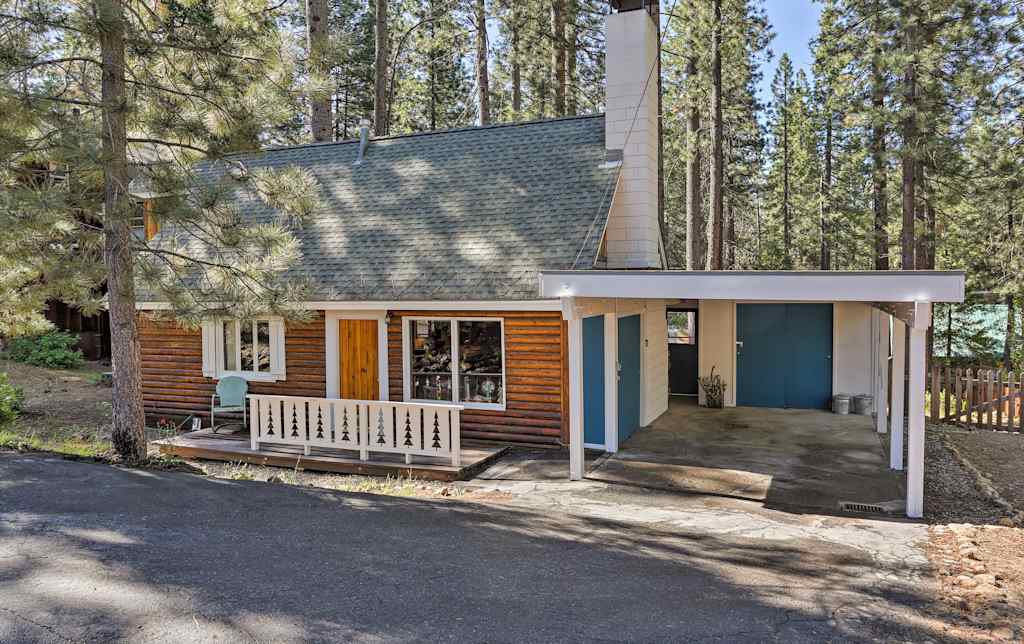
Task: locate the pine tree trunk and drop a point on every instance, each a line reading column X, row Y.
column 316, row 48
column 715, row 234
column 517, row 72
column 128, row 432
column 695, row 250
column 826, row 197
column 380, row 68
column 787, row 237
column 571, row 94
column 730, row 236
column 908, row 155
column 878, row 153
column 432, row 68
column 482, row 82
column 558, row 53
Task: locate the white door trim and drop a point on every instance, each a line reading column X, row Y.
column 333, row 350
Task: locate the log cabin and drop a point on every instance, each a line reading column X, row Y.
column 509, row 284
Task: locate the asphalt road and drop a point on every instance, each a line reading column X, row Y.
column 95, row 553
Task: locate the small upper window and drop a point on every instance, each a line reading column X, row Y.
column 253, row 349
column 682, row 327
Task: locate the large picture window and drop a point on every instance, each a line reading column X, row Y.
column 456, row 360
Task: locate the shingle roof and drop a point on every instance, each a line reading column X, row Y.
column 467, row 214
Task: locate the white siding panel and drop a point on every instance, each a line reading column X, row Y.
column 716, row 344
column 655, row 362
column 852, row 361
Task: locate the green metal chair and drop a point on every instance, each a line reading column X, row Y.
column 231, row 391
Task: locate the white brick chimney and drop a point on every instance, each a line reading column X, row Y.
column 631, row 41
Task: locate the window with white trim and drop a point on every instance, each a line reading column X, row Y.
column 252, row 349
column 456, row 360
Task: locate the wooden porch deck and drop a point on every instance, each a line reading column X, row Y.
column 235, row 448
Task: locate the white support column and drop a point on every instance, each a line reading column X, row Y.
column 881, row 382
column 611, row 382
column 915, row 410
column 575, row 358
column 899, row 350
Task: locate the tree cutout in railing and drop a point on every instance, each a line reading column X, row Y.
column 295, row 422
column 408, row 431
column 270, row 420
column 436, row 439
column 344, row 424
column 319, row 422
column 380, row 428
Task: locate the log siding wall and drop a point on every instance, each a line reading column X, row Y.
column 535, row 370
column 172, row 366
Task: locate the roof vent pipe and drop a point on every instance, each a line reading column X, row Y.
column 364, row 139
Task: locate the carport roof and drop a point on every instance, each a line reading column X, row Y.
column 779, row 286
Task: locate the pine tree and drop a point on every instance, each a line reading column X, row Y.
column 715, row 223
column 113, row 93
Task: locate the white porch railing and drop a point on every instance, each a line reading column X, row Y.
column 365, row 426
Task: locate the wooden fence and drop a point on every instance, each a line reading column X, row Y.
column 981, row 398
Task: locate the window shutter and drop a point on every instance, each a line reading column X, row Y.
column 277, row 352
column 210, row 348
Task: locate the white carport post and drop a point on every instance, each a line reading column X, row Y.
column 882, row 367
column 899, row 351
column 611, row 382
column 915, row 410
column 575, row 358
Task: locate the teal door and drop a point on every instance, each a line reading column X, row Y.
column 593, row 380
column 761, row 355
column 784, row 355
column 809, row 380
column 629, row 376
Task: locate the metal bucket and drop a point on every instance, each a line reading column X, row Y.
column 864, row 404
column 841, row 404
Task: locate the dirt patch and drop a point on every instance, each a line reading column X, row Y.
column 998, row 457
column 980, row 571
column 950, row 492
column 64, row 410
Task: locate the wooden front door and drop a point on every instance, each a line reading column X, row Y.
column 357, row 350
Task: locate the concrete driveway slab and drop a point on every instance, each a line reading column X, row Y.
column 794, row 459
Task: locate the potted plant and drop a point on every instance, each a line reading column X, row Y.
column 714, row 389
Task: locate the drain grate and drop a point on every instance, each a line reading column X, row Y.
column 865, row 508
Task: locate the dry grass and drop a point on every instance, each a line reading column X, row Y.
column 388, row 486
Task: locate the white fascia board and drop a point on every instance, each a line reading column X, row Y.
column 428, row 305
column 780, row 286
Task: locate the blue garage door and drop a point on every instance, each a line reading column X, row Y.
column 593, row 380
column 629, row 376
column 784, row 355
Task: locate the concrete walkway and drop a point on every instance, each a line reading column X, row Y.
column 95, row 553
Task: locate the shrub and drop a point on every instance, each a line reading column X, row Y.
column 54, row 350
column 714, row 390
column 11, row 398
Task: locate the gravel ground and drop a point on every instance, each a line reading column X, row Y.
column 950, row 495
column 1000, row 456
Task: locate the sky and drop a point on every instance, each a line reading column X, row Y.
column 795, row 23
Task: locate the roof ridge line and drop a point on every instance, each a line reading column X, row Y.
column 467, row 128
